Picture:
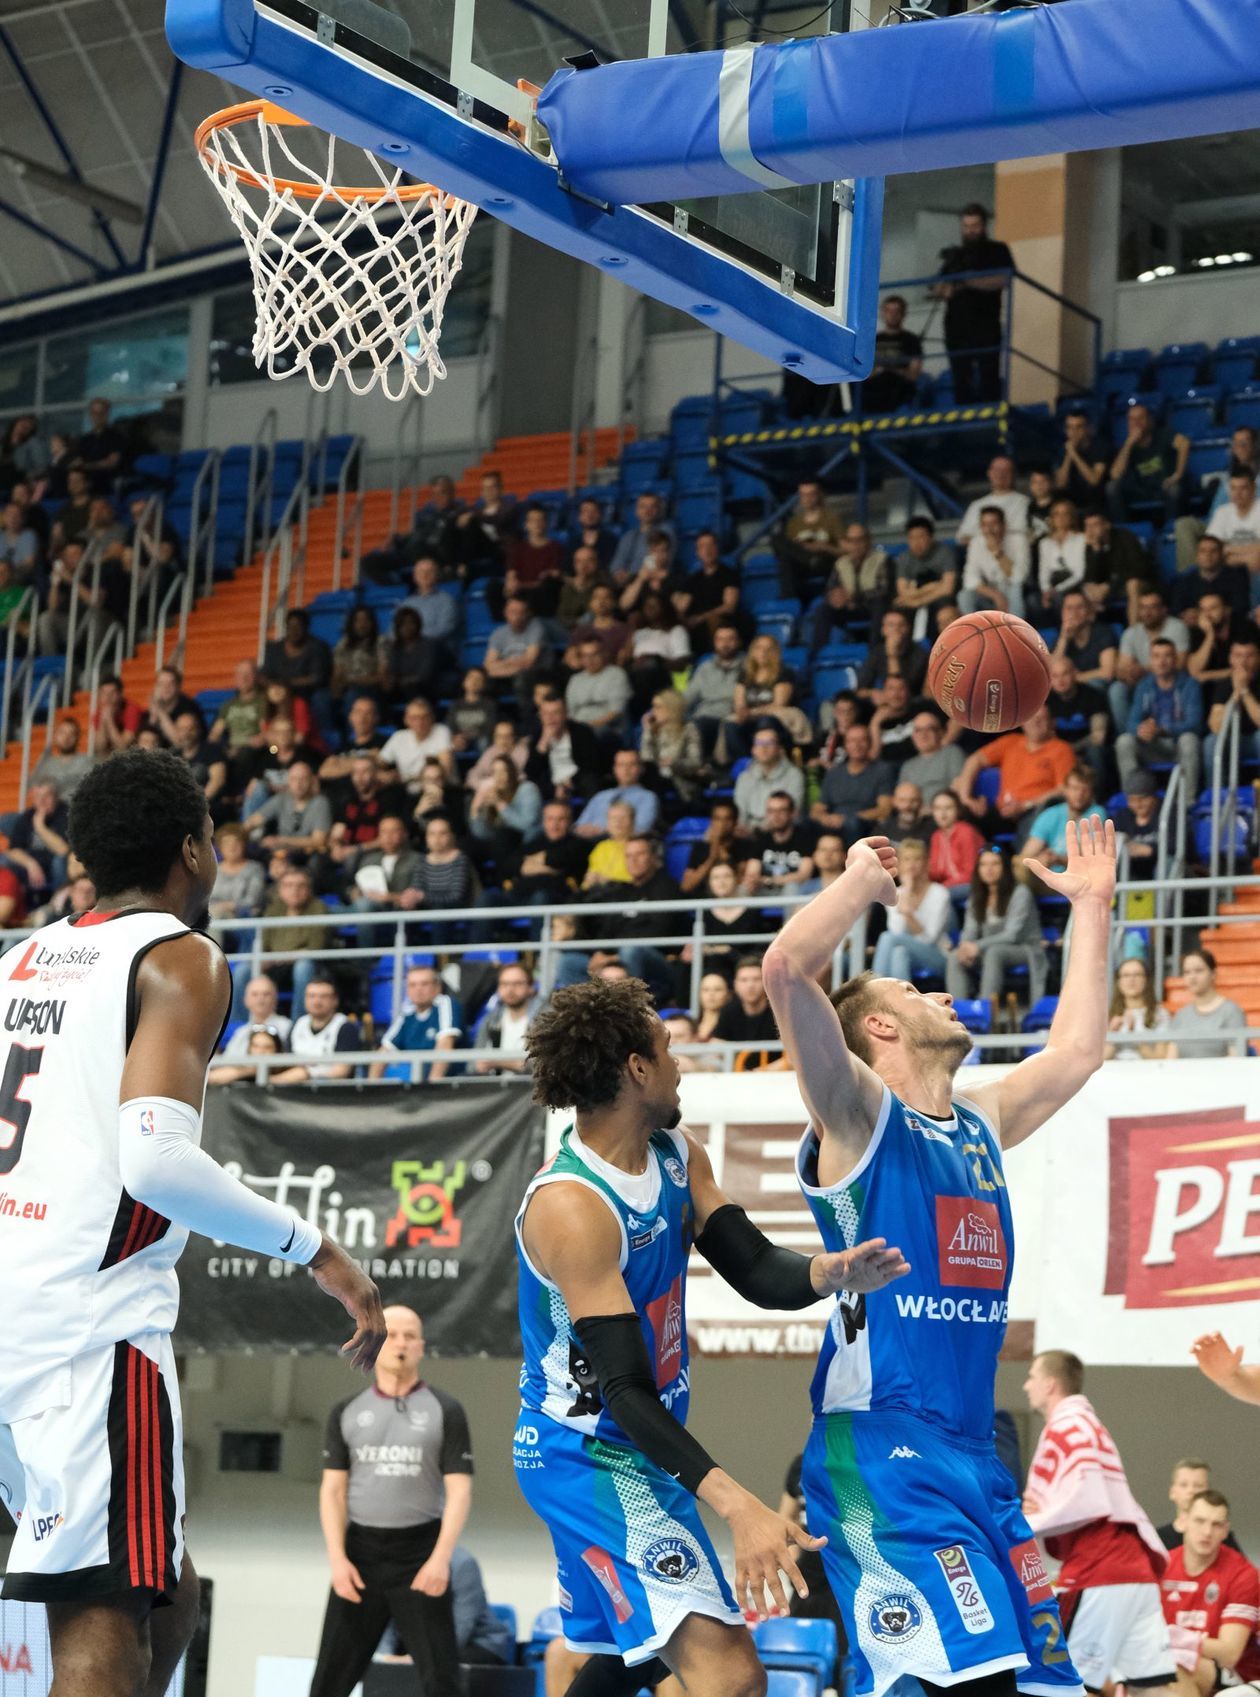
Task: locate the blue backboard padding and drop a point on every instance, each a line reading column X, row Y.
column 365, row 105
column 963, row 91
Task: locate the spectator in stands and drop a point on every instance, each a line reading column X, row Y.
column 1135, row 1009
column 721, row 845
column 24, row 453
column 434, row 531
column 300, row 660
column 1032, row 765
column 1001, row 929
column 599, row 694
column 504, row 739
column 954, row 846
column 508, row 1017
column 1154, row 624
column 682, row 1031
column 241, row 883
column 471, row 716
column 1003, row 495
column 1138, row 823
column 321, row 1032
column 1080, row 718
column 1240, row 685
column 927, row 573
column 1215, row 630
column 93, row 618
column 710, row 692
column 444, row 879
column 554, row 862
column 261, row 1004
column 828, row 863
column 671, row 747
column 657, row 572
column 167, row 701
column 1212, row 574
column 564, row 759
column 206, row 759
column 429, row 1019
column 1165, row 721
column 411, row 662
column 860, row 587
column 898, row 360
column 649, row 882
column 19, row 544
column 385, row 871
column 359, row 809
column 359, row 656
column 1191, row 1476
column 891, row 721
column 995, row 573
column 732, row 919
column 715, row 993
column 535, row 561
column 1040, row 500
column 504, row 811
column 915, row 938
column 709, row 595
column 754, row 696
column 1086, row 640
column 935, row 763
column 908, row 816
column 517, row 646
column 895, row 654
column 298, row 818
column 835, row 717
column 62, row 763
column 748, row 1018
column 1199, row 1028
column 1236, row 523
column 627, row 787
column 973, row 307
column 421, row 738
column 636, row 539
column 272, row 761
column 72, row 518
column 590, row 531
column 1047, row 835
column 780, row 854
column 295, row 901
column 11, row 595
column 238, row 727
column 486, row 529
column 100, row 452
column 659, row 646
column 1147, row 476
column 437, row 607
column 575, row 588
column 438, row 794
column 1117, row 567
column 1082, row 471
column 769, row 770
column 857, row 791
column 1061, row 563
column 807, row 544
column 601, row 625
column 38, row 843
column 259, row 1040
column 117, row 721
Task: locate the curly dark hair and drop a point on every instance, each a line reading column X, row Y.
column 579, row 1045
column 130, row 817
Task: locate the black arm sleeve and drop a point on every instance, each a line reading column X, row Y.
column 752, row 1265
column 614, row 1347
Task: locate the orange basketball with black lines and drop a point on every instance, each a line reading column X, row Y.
column 990, row 671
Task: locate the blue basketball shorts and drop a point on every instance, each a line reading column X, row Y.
column 928, row 1553
column 633, row 1556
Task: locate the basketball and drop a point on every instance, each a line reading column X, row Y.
column 990, row 671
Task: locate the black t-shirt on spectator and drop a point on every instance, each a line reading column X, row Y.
column 207, row 754
column 99, row 445
column 566, row 858
column 707, row 589
column 779, row 858
column 1087, row 656
column 362, row 817
column 264, row 760
column 312, row 660
column 1231, row 583
column 874, row 669
column 1072, row 718
column 736, row 1026
column 1140, row 866
column 896, row 349
column 970, row 309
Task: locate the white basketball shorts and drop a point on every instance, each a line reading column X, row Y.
column 95, row 1479
column 1118, row 1632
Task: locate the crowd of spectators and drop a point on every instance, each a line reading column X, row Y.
column 622, row 735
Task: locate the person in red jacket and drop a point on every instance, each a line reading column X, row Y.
column 955, row 844
column 1211, row 1600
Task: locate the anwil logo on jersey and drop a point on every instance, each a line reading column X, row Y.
column 964, row 1588
column 1030, row 1570
column 672, row 1559
column 895, row 1619
column 970, row 1243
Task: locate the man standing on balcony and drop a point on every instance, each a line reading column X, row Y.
column 973, row 309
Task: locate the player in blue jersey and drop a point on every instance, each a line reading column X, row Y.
column 601, row 1449
column 928, row 1551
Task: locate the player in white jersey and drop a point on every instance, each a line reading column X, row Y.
column 107, row 1023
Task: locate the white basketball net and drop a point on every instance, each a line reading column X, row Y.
column 350, row 281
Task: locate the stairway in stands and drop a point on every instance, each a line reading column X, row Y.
column 1237, row 950
column 224, row 629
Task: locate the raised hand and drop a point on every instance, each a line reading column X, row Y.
column 874, row 860
column 866, row 1267
column 1090, row 870
column 1216, row 1360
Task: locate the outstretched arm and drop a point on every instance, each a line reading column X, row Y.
column 1040, row 1085
column 1224, row 1366
column 841, row 1092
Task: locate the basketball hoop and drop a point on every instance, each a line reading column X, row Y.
column 350, row 280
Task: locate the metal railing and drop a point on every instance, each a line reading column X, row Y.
column 204, row 523
column 350, row 506
column 284, row 560
column 407, row 478
column 15, row 675
column 1169, row 883
column 113, row 646
column 146, row 545
column 42, row 695
column 1226, row 757
column 175, row 590
column 90, row 559
column 262, row 476
column 583, row 411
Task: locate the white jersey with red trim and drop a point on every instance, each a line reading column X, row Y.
column 82, row 1265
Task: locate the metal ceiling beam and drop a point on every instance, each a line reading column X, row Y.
column 42, row 230
column 163, row 155
column 59, row 142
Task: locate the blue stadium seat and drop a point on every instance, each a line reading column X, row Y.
column 496, row 957
column 507, row 1614
column 1177, row 366
column 761, row 595
column 988, row 783
column 692, row 470
column 677, row 854
column 690, row 423
column 1234, row 361
column 782, row 626
column 806, row 1646
column 791, row 1682
column 1244, row 408
column 1039, row 1016
column 976, row 1012
column 1207, row 455
column 1194, row 413
column 758, row 565
column 699, row 509
column 688, row 829
column 827, row 680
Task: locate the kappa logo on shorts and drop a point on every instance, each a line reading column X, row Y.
column 969, row 1242
column 1030, row 1570
column 677, row 1172
column 964, row 1588
column 672, row 1559
column 895, row 1619
column 604, row 1568
column 902, row 1452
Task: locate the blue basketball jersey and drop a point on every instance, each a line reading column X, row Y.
column 927, row 1344
column 654, row 1215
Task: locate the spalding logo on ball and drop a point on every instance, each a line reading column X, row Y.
column 990, row 671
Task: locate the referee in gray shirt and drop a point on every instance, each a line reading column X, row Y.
column 394, row 1497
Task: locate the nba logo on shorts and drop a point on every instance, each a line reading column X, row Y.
column 964, row 1588
column 970, row 1243
column 148, row 1125
column 895, row 1619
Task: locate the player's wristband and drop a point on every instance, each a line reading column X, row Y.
column 766, row 1275
column 614, row 1347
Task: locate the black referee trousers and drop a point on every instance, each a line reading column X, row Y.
column 388, row 1559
